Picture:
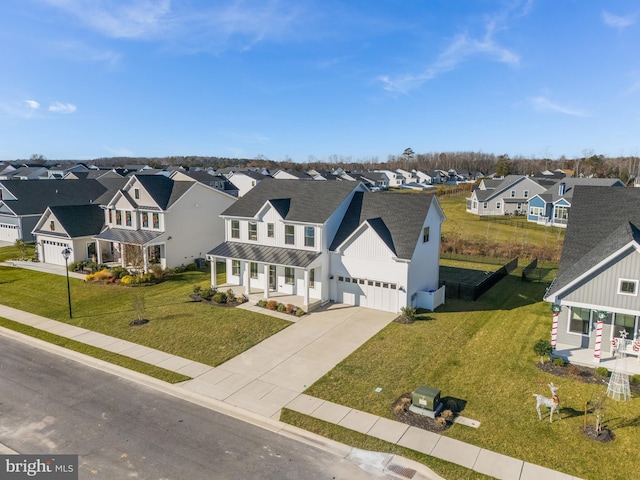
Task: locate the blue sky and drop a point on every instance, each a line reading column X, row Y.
column 301, row 79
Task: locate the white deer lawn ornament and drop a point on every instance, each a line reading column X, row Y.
column 551, row 403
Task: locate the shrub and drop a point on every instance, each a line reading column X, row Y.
column 220, row 297
column 208, row 293
column 281, row 307
column 543, row 348
column 272, row 305
column 289, row 308
column 146, row 278
column 192, row 267
column 197, row 289
column 603, row 372
column 558, row 362
column 119, row 272
column 157, row 272
column 300, row 312
column 409, row 313
column 262, row 303
column 127, row 280
column 231, row 296
column 399, row 408
column 635, row 379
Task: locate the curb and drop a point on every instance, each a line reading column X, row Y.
column 275, row 426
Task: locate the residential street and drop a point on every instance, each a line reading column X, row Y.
column 123, row 430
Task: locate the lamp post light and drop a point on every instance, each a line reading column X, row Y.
column 66, row 253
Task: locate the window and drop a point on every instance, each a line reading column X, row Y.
column 309, row 236
column 536, row 211
column 253, row 268
column 136, row 193
column 253, row 231
column 235, row 268
column 145, row 220
column 235, row 228
column 118, row 217
column 289, row 234
column 498, row 205
column 561, row 213
column 526, row 194
column 270, row 230
column 52, row 225
column 513, row 193
column 485, row 204
column 425, row 234
column 312, row 278
column 110, row 216
column 625, row 323
column 156, row 220
column 288, row 275
column 626, row 287
column 579, row 320
column 127, row 218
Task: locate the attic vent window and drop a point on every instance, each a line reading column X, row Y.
column 628, row 287
column 136, row 193
column 52, row 225
column 425, row 234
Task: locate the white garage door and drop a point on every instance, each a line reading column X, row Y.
column 8, row 233
column 52, row 251
column 368, row 293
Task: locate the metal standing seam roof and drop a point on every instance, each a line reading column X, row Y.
column 264, row 254
column 122, row 235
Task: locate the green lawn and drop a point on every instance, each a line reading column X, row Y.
column 481, row 352
column 518, row 230
column 13, row 253
column 198, row 331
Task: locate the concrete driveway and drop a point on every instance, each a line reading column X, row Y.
column 268, row 376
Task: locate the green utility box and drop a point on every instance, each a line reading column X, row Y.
column 426, row 397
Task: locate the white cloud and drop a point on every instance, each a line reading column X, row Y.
column 59, row 107
column 459, row 50
column 617, row 21
column 32, row 104
column 543, row 104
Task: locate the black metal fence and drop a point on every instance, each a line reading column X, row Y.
column 473, row 292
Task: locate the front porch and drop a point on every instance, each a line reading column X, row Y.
column 584, row 356
column 257, row 294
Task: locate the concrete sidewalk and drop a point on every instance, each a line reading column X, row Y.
column 275, row 373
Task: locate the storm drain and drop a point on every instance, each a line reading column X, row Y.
column 403, row 471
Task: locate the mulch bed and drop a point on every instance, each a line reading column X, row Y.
column 405, row 415
column 580, row 373
column 605, row 435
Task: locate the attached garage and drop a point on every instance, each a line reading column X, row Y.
column 368, row 293
column 8, row 232
column 52, row 251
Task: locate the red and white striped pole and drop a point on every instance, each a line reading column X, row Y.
column 555, row 308
column 598, row 345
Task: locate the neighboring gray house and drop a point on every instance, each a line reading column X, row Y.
column 503, row 197
column 599, row 270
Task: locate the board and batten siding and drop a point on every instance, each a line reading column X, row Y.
column 602, row 288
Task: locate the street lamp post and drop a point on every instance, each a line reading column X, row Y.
column 66, row 253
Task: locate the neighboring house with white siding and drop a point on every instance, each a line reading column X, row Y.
column 333, row 241
column 599, row 270
column 505, row 197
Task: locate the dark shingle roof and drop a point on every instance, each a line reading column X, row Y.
column 396, row 217
column 264, row 254
column 312, row 202
column 79, row 220
column 34, row 196
column 163, row 190
column 601, row 221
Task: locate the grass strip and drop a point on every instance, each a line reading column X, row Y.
column 447, row 470
column 95, row 352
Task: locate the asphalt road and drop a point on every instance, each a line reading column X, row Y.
column 120, row 430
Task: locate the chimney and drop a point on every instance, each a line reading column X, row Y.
column 561, row 189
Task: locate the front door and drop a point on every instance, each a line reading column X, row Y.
column 272, row 277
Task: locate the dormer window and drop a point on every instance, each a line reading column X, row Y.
column 309, row 237
column 118, row 217
column 145, row 220
column 235, row 229
column 127, row 217
column 110, row 216
column 253, row 231
column 289, row 235
column 156, row 220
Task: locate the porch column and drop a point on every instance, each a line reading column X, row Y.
column 122, row 261
column 598, row 345
column 145, row 258
column 266, row 280
column 214, row 276
column 305, row 293
column 98, row 252
column 247, row 279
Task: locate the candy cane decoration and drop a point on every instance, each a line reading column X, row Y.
column 598, row 345
column 554, row 326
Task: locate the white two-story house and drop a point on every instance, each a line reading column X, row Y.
column 155, row 219
column 333, row 241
